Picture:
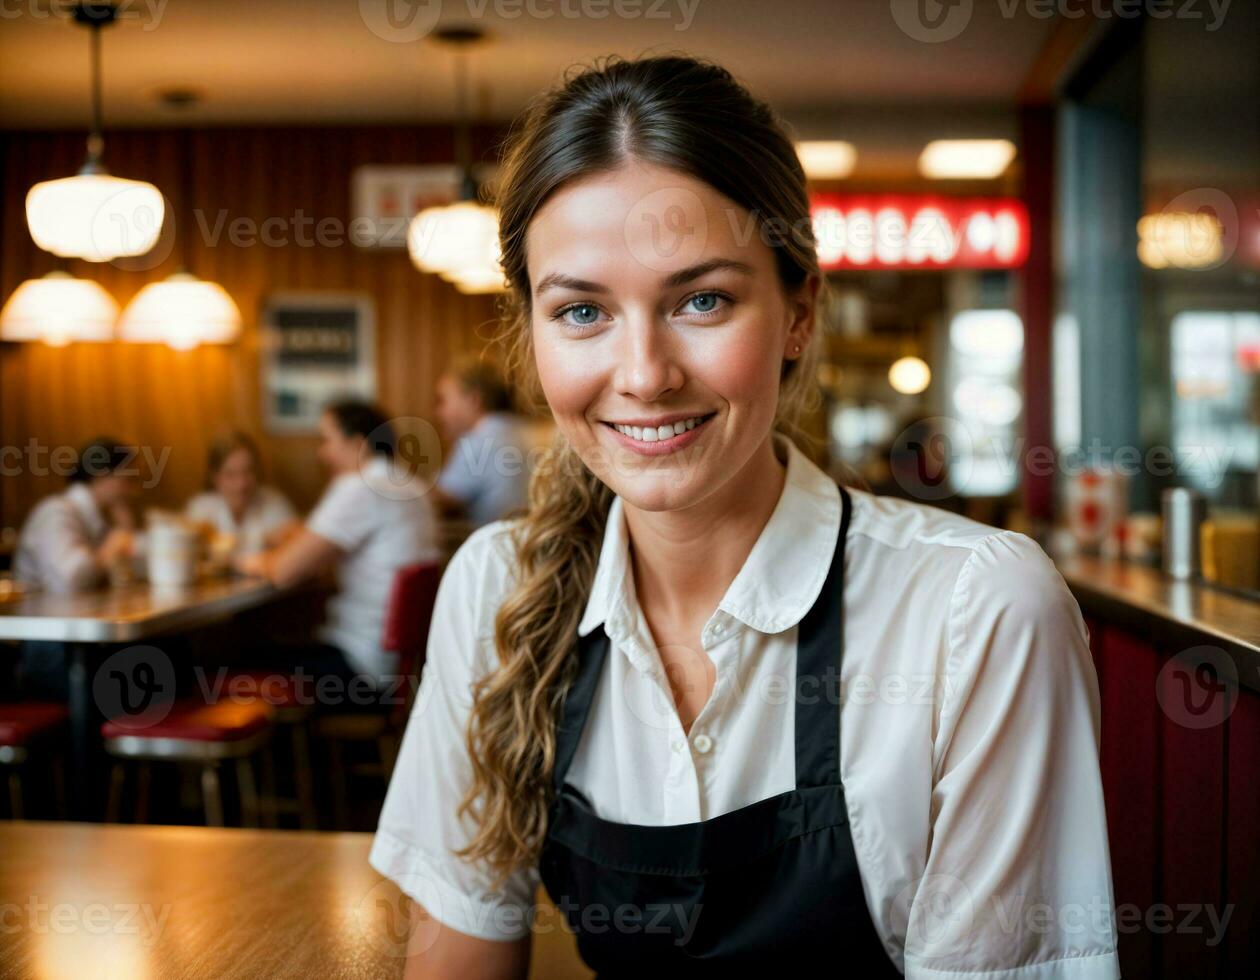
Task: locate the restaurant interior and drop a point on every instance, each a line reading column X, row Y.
column 236, row 235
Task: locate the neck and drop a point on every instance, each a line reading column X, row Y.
column 685, row 560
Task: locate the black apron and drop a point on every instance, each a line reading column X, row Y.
column 773, row 884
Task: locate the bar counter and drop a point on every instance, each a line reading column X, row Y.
column 1146, row 602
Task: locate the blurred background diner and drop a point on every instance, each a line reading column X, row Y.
column 252, row 395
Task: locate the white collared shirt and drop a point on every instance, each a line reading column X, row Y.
column 969, row 731
column 267, row 512
column 56, row 548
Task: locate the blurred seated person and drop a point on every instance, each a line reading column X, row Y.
column 71, row 539
column 372, row 520
column 237, row 503
column 486, row 475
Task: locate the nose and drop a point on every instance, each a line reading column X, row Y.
column 648, row 363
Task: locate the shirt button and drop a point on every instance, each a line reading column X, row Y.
column 703, row 744
column 676, row 745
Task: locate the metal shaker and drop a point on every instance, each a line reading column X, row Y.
column 1184, row 513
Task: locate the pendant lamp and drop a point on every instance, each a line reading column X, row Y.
column 94, row 215
column 459, row 241
column 58, row 309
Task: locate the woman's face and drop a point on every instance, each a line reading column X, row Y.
column 237, row 479
column 338, row 451
column 656, row 303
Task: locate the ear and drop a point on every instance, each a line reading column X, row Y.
column 802, row 305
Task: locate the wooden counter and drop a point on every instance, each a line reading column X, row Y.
column 82, row 901
column 1183, row 613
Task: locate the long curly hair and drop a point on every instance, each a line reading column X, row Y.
column 692, row 117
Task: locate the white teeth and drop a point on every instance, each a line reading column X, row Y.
column 658, row 433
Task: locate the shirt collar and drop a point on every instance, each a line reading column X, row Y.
column 80, row 496
column 782, row 576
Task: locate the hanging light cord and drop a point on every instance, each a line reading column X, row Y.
column 95, row 16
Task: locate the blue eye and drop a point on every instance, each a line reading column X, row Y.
column 704, row 302
column 580, row 314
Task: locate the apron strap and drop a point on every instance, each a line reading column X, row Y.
column 591, row 652
column 819, row 654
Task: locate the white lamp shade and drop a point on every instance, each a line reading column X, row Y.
column 181, row 311
column 456, row 236
column 476, row 281
column 95, row 217
column 57, row 310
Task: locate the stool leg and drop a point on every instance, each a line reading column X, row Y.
column 144, row 778
column 389, row 754
column 249, row 794
column 117, row 776
column 59, row 784
column 302, row 776
column 270, row 804
column 337, row 767
column 211, row 796
column 15, row 794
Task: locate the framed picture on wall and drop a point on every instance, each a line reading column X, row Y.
column 317, row 346
column 384, row 199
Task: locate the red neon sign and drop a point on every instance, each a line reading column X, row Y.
column 911, row 231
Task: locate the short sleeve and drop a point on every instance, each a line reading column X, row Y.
column 344, row 515
column 457, row 478
column 1017, row 882
column 63, row 556
column 419, row 827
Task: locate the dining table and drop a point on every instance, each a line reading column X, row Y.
column 111, row 622
column 86, row 901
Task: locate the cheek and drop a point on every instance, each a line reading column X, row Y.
column 742, row 368
column 571, row 378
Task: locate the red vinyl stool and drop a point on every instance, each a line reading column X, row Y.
column 192, row 732
column 21, row 726
column 291, row 712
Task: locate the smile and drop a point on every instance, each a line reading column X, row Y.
column 658, row 439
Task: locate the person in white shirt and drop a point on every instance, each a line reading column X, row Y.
column 373, row 520
column 730, row 714
column 487, row 472
column 70, row 539
column 236, row 502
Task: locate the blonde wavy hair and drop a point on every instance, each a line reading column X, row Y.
column 693, row 117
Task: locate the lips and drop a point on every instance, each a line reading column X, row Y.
column 657, row 438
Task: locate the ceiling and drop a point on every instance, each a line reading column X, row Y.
column 272, row 61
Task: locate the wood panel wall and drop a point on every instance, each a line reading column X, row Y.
column 152, row 396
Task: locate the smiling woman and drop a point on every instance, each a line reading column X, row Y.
column 633, row 693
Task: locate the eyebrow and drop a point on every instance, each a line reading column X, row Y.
column 558, row 280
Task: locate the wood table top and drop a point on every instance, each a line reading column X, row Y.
column 183, row 903
column 131, row 612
